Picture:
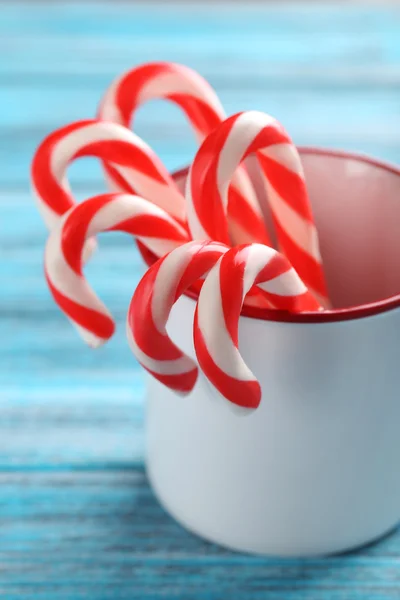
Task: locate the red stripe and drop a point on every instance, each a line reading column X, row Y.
column 308, row 269
column 140, row 317
column 128, row 155
column 149, row 259
column 294, row 304
column 203, row 202
column 200, row 263
column 243, row 214
column 242, row 393
column 132, row 84
column 268, row 136
column 200, row 114
column 151, row 226
column 118, row 179
column 73, row 234
column 123, row 153
column 156, row 345
column 47, row 187
column 101, row 325
column 275, row 267
column 231, row 273
column 232, row 270
column 74, row 231
column 290, row 186
column 205, row 194
column 184, row 382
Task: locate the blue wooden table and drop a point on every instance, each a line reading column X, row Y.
column 77, row 517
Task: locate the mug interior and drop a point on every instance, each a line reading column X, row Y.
column 356, row 205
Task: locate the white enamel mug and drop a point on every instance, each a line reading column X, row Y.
column 316, row 468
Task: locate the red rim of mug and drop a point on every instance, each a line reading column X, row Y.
column 339, row 314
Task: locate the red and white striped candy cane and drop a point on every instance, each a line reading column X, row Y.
column 218, row 311
column 154, row 227
column 150, row 307
column 211, row 172
column 163, row 80
column 134, row 160
column 199, row 102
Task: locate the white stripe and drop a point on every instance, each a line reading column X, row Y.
column 182, row 81
column 195, row 227
column 246, row 127
column 127, row 206
column 100, row 131
column 238, row 234
column 124, row 207
column 286, row 155
column 65, row 279
column 166, row 282
column 162, row 194
column 286, row 284
column 257, row 257
column 241, row 182
column 179, row 366
column 51, row 218
column 212, row 326
column 169, row 276
column 189, row 82
column 302, row 232
column 186, row 82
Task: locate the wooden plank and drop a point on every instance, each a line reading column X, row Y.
column 104, row 536
column 76, row 421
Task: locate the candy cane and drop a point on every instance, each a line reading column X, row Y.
column 159, row 80
column 155, row 228
column 210, row 175
column 218, row 309
column 199, row 102
column 150, row 307
column 134, row 160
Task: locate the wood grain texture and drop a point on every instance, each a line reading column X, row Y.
column 77, row 517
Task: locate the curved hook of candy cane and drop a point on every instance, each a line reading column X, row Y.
column 150, row 307
column 243, row 222
column 207, row 193
column 155, row 228
column 218, row 310
column 134, row 160
column 203, row 109
column 163, row 80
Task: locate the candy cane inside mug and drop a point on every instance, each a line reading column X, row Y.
column 150, row 307
column 218, row 310
column 197, row 99
column 207, row 199
column 155, row 228
column 158, row 80
column 134, row 160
